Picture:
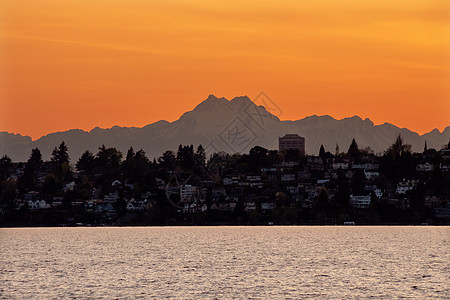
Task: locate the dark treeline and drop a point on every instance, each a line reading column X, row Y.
column 257, row 188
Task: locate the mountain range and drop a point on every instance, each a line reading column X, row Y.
column 225, row 125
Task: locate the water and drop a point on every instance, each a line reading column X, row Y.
column 225, row 262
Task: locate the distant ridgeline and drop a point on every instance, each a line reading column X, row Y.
column 233, row 126
column 261, row 187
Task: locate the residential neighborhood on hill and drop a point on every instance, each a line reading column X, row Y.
column 262, row 186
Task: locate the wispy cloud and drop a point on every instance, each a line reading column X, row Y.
column 82, row 43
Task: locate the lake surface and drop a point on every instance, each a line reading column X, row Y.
column 225, row 262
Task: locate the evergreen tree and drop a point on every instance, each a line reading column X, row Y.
column 185, row 157
column 60, row 155
column 293, row 155
column 109, row 160
column 60, row 162
column 35, row 160
column 396, row 150
column 86, row 163
column 353, row 150
column 8, row 187
column 397, row 161
column 139, row 167
column 28, row 180
column 168, row 160
column 200, row 155
column 257, row 158
column 5, row 167
column 200, row 161
column 322, row 152
column 129, row 162
column 130, row 154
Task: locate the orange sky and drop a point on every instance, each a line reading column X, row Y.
column 86, row 63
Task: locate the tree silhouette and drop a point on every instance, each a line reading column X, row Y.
column 28, row 180
column 168, row 160
column 185, row 157
column 322, row 152
column 5, row 167
column 60, row 162
column 293, row 155
column 86, row 163
column 256, row 158
column 35, row 160
column 130, row 154
column 128, row 163
column 353, row 150
column 397, row 161
column 60, row 155
column 109, row 160
column 200, row 161
column 137, row 167
column 200, row 155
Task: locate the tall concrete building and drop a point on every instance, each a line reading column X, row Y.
column 292, row 141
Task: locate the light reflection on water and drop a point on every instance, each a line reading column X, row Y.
column 225, row 262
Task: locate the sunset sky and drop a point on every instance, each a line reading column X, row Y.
column 87, row 63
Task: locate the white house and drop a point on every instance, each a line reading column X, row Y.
column 37, row 204
column 116, row 183
column 108, row 208
column 250, row 206
column 187, row 192
column 130, row 207
column 33, row 205
column 253, row 178
column 371, row 174
column 227, row 181
column 365, row 166
column 268, row 169
column 323, row 181
column 43, row 204
column 287, row 177
column 444, row 167
column 378, row 193
column 186, row 208
column 268, row 206
column 360, row 201
column 340, row 165
column 111, row 197
column 404, row 186
column 69, row 187
column 426, row 167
